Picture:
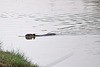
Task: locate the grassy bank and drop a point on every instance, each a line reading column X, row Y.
column 14, row 59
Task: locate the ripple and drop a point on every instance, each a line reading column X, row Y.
column 87, row 22
column 44, row 19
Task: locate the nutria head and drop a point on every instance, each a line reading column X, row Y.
column 29, row 36
column 33, row 35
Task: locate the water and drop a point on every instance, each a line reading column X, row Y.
column 63, row 17
column 77, row 22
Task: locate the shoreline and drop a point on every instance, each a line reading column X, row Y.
column 14, row 59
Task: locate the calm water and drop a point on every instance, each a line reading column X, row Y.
column 76, row 21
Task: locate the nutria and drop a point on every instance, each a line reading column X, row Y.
column 30, row 36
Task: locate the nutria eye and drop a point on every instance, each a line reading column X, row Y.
column 33, row 34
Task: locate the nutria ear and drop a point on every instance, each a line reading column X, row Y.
column 34, row 34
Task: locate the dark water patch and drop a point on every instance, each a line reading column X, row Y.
column 43, row 30
column 3, row 16
column 64, row 23
column 79, row 23
column 61, row 28
column 97, row 41
column 44, row 19
column 31, row 15
column 97, row 54
column 34, row 26
column 41, row 24
column 21, row 16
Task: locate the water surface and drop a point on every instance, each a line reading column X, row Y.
column 77, row 22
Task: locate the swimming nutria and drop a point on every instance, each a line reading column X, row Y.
column 30, row 36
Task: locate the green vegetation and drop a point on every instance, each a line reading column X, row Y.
column 14, row 59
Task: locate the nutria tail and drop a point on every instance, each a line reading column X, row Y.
column 50, row 34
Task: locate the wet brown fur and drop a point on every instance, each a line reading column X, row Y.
column 30, row 36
